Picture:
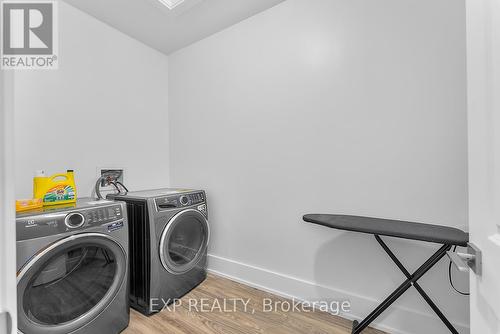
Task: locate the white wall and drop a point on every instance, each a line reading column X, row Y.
column 8, row 267
column 105, row 106
column 331, row 106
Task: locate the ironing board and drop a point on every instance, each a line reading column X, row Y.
column 446, row 236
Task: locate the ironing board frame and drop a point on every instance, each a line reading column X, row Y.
column 411, row 280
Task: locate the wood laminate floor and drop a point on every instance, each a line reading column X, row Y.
column 203, row 311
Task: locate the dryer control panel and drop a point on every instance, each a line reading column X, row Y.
column 196, row 198
column 180, row 200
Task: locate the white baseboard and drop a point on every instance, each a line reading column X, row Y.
column 399, row 320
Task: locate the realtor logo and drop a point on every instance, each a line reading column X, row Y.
column 29, row 35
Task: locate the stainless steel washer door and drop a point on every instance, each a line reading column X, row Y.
column 184, row 241
column 69, row 283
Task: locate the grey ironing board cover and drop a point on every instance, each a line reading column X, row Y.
column 392, row 228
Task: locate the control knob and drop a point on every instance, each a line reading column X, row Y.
column 74, row 220
column 184, row 200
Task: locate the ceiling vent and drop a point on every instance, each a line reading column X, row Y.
column 171, row 4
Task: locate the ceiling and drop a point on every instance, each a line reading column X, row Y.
column 169, row 30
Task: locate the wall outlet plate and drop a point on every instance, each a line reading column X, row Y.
column 476, row 264
column 114, row 174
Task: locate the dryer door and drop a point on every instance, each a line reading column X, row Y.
column 184, row 241
column 68, row 284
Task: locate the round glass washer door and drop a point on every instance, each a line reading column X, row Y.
column 69, row 283
column 184, row 241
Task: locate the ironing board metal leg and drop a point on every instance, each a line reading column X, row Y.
column 435, row 309
column 417, row 286
column 411, row 280
column 382, row 307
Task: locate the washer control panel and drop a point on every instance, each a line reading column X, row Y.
column 51, row 222
column 104, row 215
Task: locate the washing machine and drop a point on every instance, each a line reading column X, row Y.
column 169, row 235
column 73, row 269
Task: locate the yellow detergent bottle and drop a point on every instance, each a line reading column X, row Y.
column 55, row 189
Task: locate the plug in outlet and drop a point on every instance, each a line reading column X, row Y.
column 112, row 175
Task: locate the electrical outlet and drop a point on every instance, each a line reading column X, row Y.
column 112, row 175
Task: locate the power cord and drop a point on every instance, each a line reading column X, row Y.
column 97, row 187
column 123, row 186
column 451, row 279
column 115, row 184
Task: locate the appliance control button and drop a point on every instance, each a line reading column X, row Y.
column 184, row 200
column 74, row 220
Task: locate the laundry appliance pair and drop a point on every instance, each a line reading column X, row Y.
column 81, row 266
